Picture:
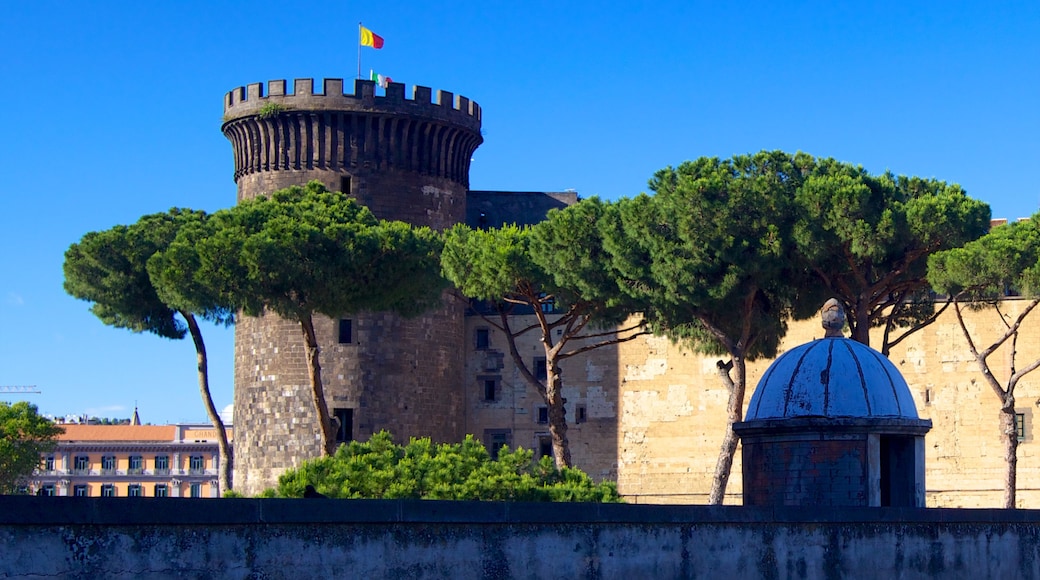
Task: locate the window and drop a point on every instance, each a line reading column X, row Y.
column 134, row 490
column 47, row 490
column 108, row 490
column 196, row 463
column 81, row 464
column 136, row 464
column 108, row 463
column 494, row 439
column 344, row 184
column 580, row 414
column 81, row 490
column 162, row 464
column 539, row 369
column 545, row 446
column 346, row 331
column 161, row 490
column 483, row 338
column 345, row 429
column 490, row 389
column 196, row 490
column 543, row 415
column 48, row 463
column 1020, row 426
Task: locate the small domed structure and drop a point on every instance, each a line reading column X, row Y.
column 832, row 422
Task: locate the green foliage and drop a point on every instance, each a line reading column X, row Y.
column 1007, row 259
column 233, row 494
column 305, row 250
column 868, row 238
column 271, row 110
column 711, row 254
column 380, row 469
column 24, row 435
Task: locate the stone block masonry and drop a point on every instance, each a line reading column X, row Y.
column 282, row 538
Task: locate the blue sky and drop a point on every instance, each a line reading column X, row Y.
column 112, row 110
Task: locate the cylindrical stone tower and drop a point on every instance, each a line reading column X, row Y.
column 406, row 159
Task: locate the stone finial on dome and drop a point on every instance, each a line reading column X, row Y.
column 833, row 316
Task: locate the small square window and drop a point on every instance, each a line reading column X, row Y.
column 161, row 490
column 346, row 331
column 162, row 464
column 48, row 463
column 134, row 490
column 543, row 415
column 108, row 490
column 108, row 463
column 81, row 490
column 81, row 464
column 490, row 389
column 580, row 414
column 196, row 490
column 344, row 184
column 1020, row 426
column 47, row 490
column 483, row 338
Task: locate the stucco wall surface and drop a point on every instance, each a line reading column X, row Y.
column 248, row 538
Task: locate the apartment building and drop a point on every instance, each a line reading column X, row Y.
column 131, row 461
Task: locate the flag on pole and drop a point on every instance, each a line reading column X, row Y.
column 369, row 38
column 380, row 80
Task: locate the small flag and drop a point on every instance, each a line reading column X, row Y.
column 369, row 38
column 380, row 80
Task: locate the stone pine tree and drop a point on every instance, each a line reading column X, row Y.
column 557, row 271
column 710, row 254
column 110, row 269
column 24, row 436
column 867, row 238
column 305, row 251
column 1004, row 262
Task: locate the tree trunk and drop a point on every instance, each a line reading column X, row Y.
column 557, row 414
column 1008, row 429
column 224, row 479
column 321, row 408
column 736, row 386
column 861, row 331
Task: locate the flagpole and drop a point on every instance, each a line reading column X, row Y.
column 359, row 49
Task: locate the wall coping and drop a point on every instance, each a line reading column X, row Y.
column 60, row 511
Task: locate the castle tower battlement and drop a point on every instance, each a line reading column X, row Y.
column 405, row 159
column 274, row 130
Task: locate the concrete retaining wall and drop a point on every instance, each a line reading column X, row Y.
column 249, row 538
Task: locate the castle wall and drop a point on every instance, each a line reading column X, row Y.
column 405, row 159
column 672, row 413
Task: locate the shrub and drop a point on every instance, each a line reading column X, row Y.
column 381, row 469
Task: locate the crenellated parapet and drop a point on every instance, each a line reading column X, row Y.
column 272, row 130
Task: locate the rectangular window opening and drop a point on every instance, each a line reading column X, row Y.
column 196, row 490
column 136, row 465
column 108, row 490
column 540, row 369
column 580, row 414
column 47, row 490
column 543, row 415
column 81, row 490
column 346, row 331
column 545, row 448
column 162, row 464
column 196, row 464
column 161, row 490
column 134, row 490
column 345, row 428
column 495, row 439
column 81, row 464
column 490, row 389
column 483, row 338
column 344, row 184
column 1020, row 426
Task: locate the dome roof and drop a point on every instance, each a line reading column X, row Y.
column 832, row 377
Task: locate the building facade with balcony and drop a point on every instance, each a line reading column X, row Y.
column 131, row 461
